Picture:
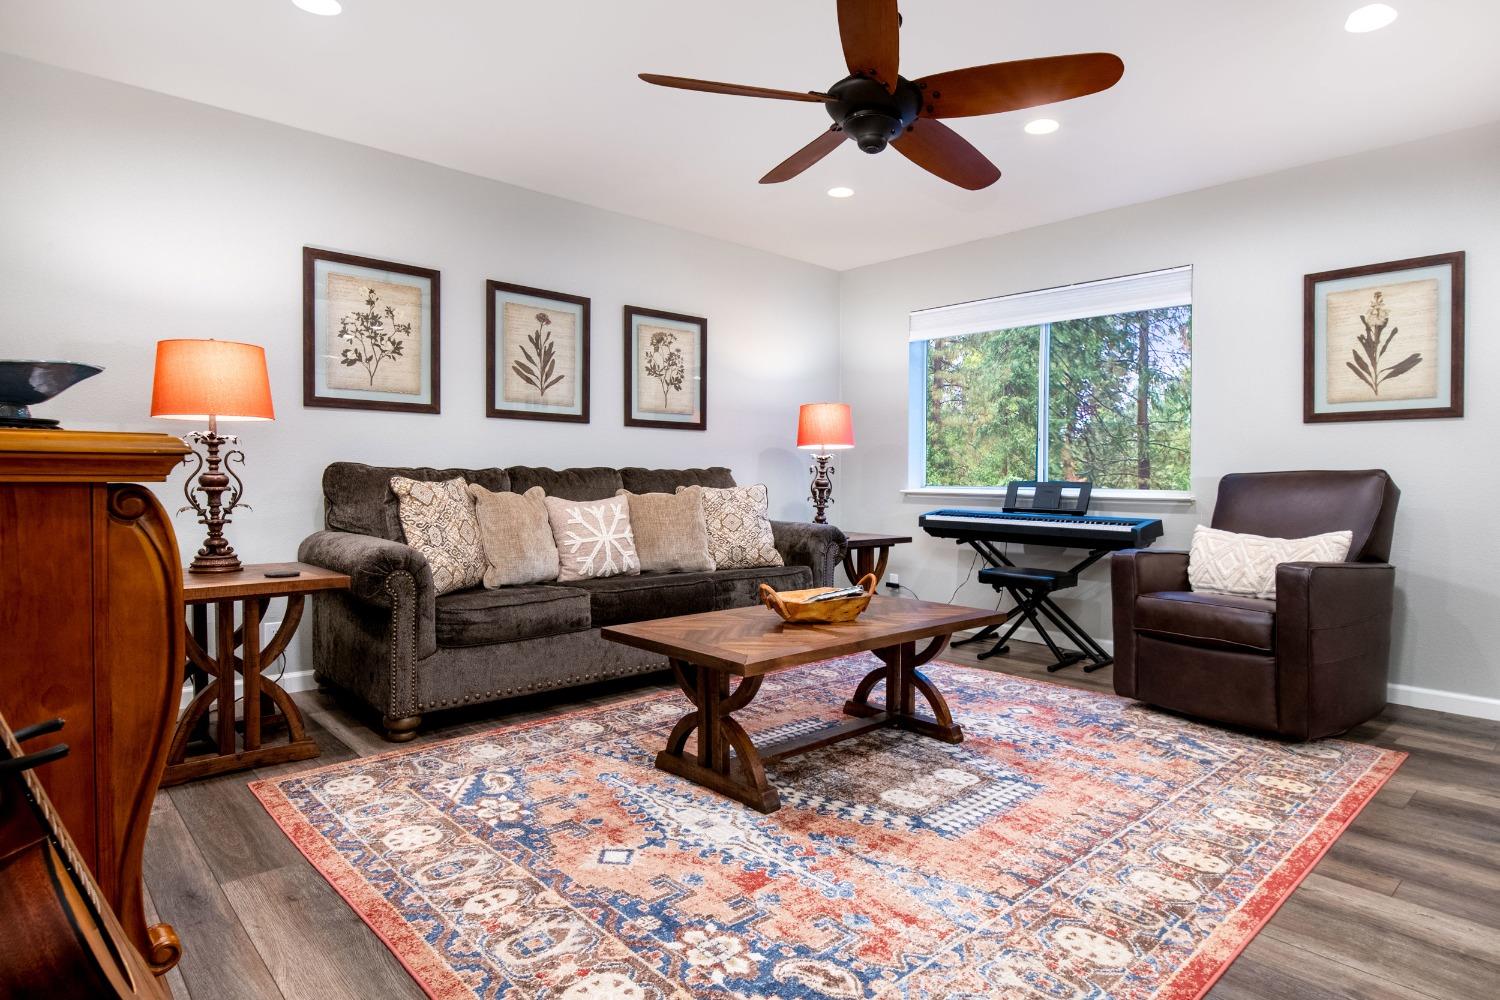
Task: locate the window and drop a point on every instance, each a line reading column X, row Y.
column 1086, row 382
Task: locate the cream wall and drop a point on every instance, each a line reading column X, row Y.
column 1249, row 243
column 128, row 216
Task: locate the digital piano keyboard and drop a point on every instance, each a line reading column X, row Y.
column 1060, row 530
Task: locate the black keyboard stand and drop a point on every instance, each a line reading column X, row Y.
column 1032, row 591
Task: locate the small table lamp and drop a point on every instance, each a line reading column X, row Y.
column 823, row 427
column 212, row 380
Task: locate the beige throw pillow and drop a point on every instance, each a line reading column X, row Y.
column 670, row 536
column 593, row 538
column 437, row 520
column 739, row 532
column 1226, row 562
column 517, row 537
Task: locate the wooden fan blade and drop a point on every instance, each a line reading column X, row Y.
column 806, row 156
column 871, row 33
column 739, row 90
column 939, row 150
column 1025, row 83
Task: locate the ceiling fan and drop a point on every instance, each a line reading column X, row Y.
column 874, row 105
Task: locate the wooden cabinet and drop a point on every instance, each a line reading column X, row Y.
column 91, row 630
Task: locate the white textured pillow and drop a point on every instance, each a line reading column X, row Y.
column 593, row 538
column 739, row 530
column 438, row 521
column 1226, row 562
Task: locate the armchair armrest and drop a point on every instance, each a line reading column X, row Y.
column 1333, row 644
column 1134, row 572
column 820, row 547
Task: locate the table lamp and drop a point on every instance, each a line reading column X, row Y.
column 212, row 380
column 821, row 428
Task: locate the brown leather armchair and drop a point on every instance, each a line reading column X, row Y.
column 1312, row 662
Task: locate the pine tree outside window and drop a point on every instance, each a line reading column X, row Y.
column 1085, row 382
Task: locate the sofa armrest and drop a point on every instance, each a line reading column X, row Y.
column 1134, row 572
column 820, row 547
column 1333, row 644
column 382, row 573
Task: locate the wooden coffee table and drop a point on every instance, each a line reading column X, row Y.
column 707, row 649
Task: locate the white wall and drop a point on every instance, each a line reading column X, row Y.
column 127, row 216
column 1249, row 243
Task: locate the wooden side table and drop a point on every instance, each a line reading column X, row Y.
column 253, row 591
column 868, row 553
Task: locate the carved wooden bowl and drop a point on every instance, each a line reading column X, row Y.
column 793, row 605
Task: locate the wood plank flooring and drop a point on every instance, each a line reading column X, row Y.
column 1406, row 906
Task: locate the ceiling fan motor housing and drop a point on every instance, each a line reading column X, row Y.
column 870, row 114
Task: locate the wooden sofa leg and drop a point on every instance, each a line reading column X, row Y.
column 403, row 729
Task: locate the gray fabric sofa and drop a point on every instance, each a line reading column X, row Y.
column 394, row 643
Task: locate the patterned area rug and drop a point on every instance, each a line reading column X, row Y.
column 1075, row 845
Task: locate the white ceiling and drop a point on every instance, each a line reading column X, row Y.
column 544, row 95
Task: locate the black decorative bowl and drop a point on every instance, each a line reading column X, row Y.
column 23, row 384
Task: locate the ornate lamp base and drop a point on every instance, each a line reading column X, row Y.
column 214, row 478
column 822, row 487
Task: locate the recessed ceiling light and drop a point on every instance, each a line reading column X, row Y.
column 326, row 8
column 1370, row 17
column 840, row 192
column 1042, row 126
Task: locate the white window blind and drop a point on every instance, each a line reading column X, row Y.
column 1132, row 293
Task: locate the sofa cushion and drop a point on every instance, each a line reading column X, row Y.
column 1208, row 619
column 739, row 532
column 615, row 600
column 593, row 538
column 483, row 616
column 740, row 588
column 638, row 480
column 358, row 497
column 570, row 484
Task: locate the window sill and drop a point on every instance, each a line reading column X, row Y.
column 1099, row 498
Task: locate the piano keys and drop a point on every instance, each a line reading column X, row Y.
column 1071, row 531
column 1064, row 527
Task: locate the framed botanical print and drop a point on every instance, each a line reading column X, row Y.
column 538, row 354
column 369, row 333
column 1384, row 341
column 666, row 369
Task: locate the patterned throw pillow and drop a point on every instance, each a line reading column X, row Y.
column 1226, row 562
column 438, row 521
column 593, row 538
column 517, row 537
column 739, row 532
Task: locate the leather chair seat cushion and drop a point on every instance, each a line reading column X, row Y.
column 480, row 617
column 1208, row 619
column 1237, row 686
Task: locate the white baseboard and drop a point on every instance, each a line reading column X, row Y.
column 1471, row 705
column 292, row 681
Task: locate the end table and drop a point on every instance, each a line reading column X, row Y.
column 214, row 672
column 872, row 552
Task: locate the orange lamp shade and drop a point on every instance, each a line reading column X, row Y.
column 198, row 379
column 825, row 426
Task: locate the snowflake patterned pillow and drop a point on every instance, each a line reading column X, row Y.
column 593, row 538
column 438, row 521
column 1226, row 562
column 739, row 532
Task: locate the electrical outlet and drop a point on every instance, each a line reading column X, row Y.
column 893, row 580
column 268, row 632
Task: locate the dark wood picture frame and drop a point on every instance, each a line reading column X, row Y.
column 492, row 352
column 1455, row 407
column 631, row 314
column 310, row 397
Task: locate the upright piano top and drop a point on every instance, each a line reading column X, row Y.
column 33, row 455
